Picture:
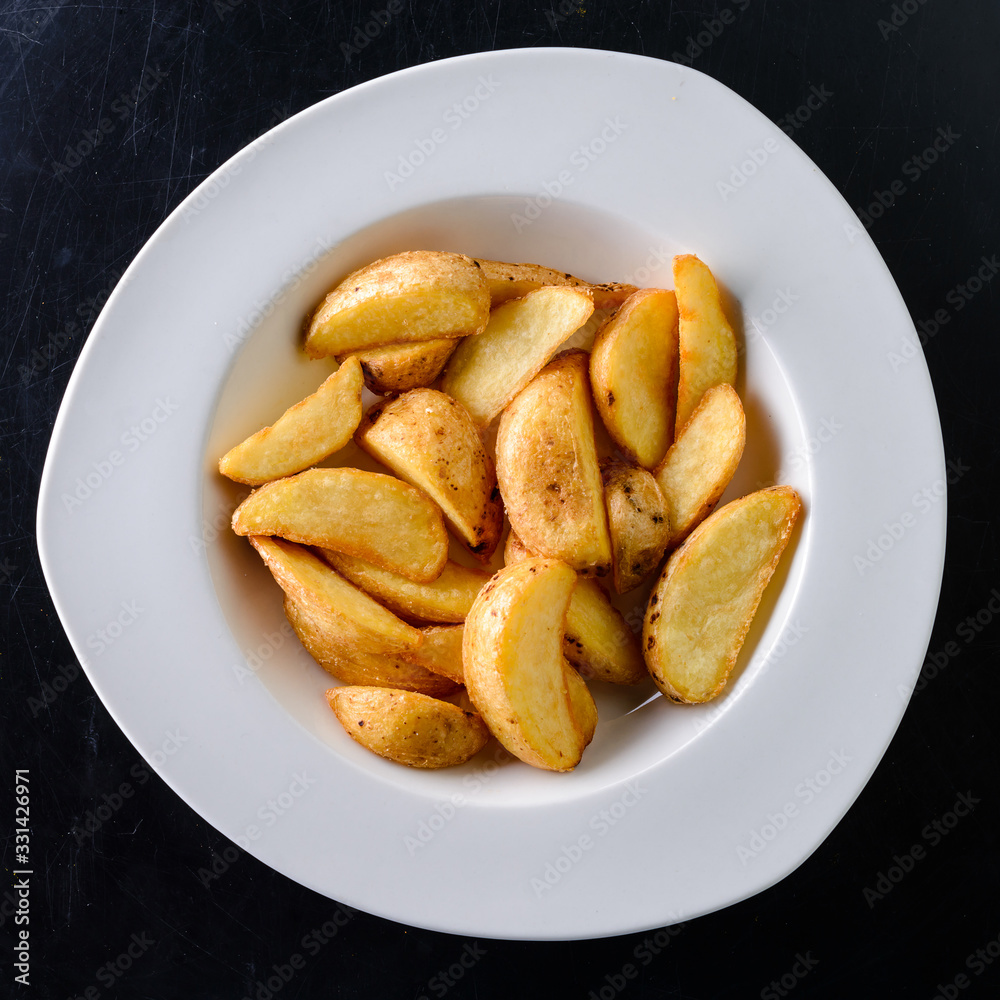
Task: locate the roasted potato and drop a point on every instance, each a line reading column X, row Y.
column 581, row 703
column 633, row 374
column 356, row 621
column 514, row 668
column 407, row 727
column 441, row 651
column 513, row 281
column 707, row 343
column 365, row 514
column 322, row 634
column 429, row 440
column 400, row 367
column 701, row 608
column 548, row 471
column 420, row 295
column 597, row 640
column 696, row 470
column 446, row 599
column 487, row 371
column 638, row 521
column 304, row 434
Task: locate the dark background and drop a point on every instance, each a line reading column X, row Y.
column 211, row 78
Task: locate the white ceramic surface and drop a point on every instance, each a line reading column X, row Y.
column 674, row 811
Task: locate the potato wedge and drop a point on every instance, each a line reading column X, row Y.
column 304, row 434
column 696, row 470
column 597, row 640
column 547, row 468
column 486, row 372
column 322, row 635
column 513, row 281
column 407, row 727
column 419, row 295
column 365, row 514
column 582, row 703
column 446, row 599
column 401, row 367
column 702, row 606
column 633, row 374
column 441, row 651
column 514, row 667
column 429, row 440
column 638, row 520
column 707, row 343
column 355, row 620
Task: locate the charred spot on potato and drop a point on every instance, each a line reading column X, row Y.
column 657, row 518
column 361, row 722
column 480, row 547
column 651, row 642
column 495, row 495
column 654, row 598
column 654, row 616
column 554, row 487
column 611, row 399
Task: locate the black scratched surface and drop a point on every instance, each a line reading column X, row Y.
column 183, row 87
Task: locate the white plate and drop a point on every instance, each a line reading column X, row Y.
column 605, row 165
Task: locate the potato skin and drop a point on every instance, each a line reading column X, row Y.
column 418, row 295
column 512, row 281
column 408, row 727
column 398, row 368
column 429, row 440
column 638, row 521
column 704, row 602
column 548, row 470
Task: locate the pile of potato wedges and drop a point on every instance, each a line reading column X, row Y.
column 607, row 469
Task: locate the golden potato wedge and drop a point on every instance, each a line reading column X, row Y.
column 429, row 440
column 419, row 295
column 707, row 344
column 441, row 651
column 514, row 667
column 365, row 514
column 355, row 620
column 696, row 470
column 304, row 434
column 407, row 727
column 322, row 634
column 486, row 372
column 702, row 605
column 401, row 367
column 513, row 281
column 547, row 468
column 638, row 521
column 582, row 703
column 633, row 375
column 446, row 599
column 597, row 640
